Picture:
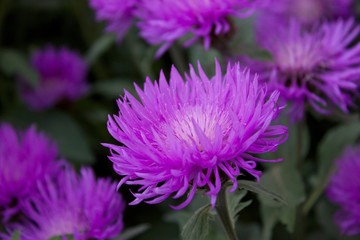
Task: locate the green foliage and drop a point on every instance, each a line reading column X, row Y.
column 198, row 225
column 132, row 232
column 16, row 235
column 14, row 63
column 100, row 46
column 61, row 127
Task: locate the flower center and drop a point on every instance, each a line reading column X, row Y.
column 208, row 118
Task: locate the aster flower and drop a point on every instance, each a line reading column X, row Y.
column 344, row 190
column 318, row 67
column 306, row 12
column 117, row 13
column 165, row 21
column 83, row 206
column 25, row 159
column 62, row 75
column 191, row 135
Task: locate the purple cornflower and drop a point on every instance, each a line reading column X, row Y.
column 344, row 190
column 25, row 159
column 117, row 13
column 165, row 21
column 62, row 75
column 317, row 67
column 194, row 134
column 306, row 12
column 83, row 206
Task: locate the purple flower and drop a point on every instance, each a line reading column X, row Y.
column 306, row 12
column 62, row 77
column 194, row 134
column 318, row 67
column 165, row 21
column 117, row 13
column 344, row 190
column 83, row 206
column 25, row 159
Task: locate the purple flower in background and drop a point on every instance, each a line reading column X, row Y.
column 165, row 21
column 83, row 206
column 306, row 12
column 344, row 190
column 25, row 159
column 199, row 133
column 317, row 67
column 117, row 13
column 62, row 74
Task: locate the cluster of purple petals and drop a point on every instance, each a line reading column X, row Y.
column 117, row 13
column 26, row 157
column 197, row 133
column 344, row 190
column 62, row 76
column 306, row 12
column 319, row 66
column 78, row 205
column 165, row 21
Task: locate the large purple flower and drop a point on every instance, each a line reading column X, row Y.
column 318, row 67
column 306, row 12
column 165, row 21
column 25, row 159
column 344, row 190
column 83, row 206
column 62, row 75
column 192, row 134
column 117, row 13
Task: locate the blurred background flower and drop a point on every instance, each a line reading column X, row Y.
column 344, row 191
column 26, row 158
column 77, row 205
column 62, row 76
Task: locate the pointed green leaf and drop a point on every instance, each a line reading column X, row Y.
column 14, row 63
column 261, row 190
column 68, row 237
column 198, row 225
column 130, row 233
column 334, row 143
column 235, row 204
column 285, row 180
column 99, row 47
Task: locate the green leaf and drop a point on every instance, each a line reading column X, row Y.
column 68, row 237
column 269, row 216
column 235, row 204
column 132, row 232
column 100, row 46
column 14, row 63
column 198, row 225
column 16, row 235
column 60, row 127
column 334, row 143
column 286, row 181
column 261, row 190
column 112, row 89
column 332, row 146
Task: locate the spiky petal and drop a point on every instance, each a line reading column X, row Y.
column 344, row 190
column 77, row 205
column 198, row 133
column 319, row 67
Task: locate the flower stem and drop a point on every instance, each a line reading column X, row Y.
column 224, row 214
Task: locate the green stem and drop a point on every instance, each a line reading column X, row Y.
column 316, row 193
column 224, row 214
column 300, row 218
